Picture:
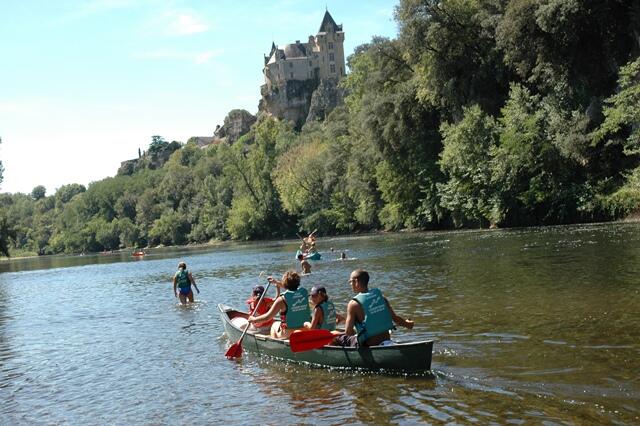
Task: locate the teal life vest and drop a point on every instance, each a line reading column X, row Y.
column 182, row 278
column 329, row 317
column 377, row 316
column 297, row 308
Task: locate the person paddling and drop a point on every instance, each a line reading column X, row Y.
column 324, row 314
column 369, row 315
column 292, row 304
column 183, row 280
column 263, row 308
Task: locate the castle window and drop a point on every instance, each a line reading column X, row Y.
column 291, row 75
column 310, row 64
column 333, row 69
column 330, row 45
column 331, row 57
column 290, row 64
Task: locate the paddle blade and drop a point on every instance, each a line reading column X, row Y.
column 307, row 340
column 235, row 351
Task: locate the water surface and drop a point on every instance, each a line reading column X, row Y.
column 536, row 325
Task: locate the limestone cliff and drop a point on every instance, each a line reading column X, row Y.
column 237, row 123
column 324, row 99
column 290, row 101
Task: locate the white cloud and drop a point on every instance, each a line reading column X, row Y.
column 184, row 24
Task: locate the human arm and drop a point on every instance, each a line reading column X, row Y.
column 352, row 315
column 340, row 318
column 277, row 306
column 175, row 286
column 317, row 317
column 193, row 282
column 397, row 319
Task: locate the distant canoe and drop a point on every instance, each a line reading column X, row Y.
column 313, row 256
column 412, row 357
column 138, row 253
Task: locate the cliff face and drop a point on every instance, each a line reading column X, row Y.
column 149, row 160
column 301, row 101
column 237, row 123
column 324, row 99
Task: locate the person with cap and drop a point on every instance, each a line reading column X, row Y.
column 324, row 314
column 183, row 280
column 369, row 315
column 292, row 304
column 263, row 308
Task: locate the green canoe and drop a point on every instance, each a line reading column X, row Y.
column 398, row 358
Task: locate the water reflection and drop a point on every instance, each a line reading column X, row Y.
column 532, row 326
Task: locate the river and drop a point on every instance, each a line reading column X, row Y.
column 535, row 325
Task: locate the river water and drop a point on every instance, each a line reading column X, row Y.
column 536, row 325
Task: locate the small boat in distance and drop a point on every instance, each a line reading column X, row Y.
column 138, row 253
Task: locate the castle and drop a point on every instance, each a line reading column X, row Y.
column 301, row 79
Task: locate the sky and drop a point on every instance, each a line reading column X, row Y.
column 85, row 84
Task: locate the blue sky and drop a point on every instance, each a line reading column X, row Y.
column 84, row 84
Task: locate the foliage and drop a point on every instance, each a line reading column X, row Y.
column 480, row 113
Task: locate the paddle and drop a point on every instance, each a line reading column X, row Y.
column 235, row 351
column 306, row 340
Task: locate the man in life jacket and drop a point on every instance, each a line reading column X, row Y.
column 183, row 280
column 369, row 315
column 263, row 308
column 292, row 304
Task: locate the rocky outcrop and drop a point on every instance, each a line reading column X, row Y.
column 152, row 159
column 290, row 101
column 237, row 123
column 324, row 99
column 301, row 101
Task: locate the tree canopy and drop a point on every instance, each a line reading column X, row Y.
column 480, row 113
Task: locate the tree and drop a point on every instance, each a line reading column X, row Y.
column 38, row 192
column 468, row 193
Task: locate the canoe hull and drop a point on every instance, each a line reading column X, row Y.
column 401, row 357
column 314, row 256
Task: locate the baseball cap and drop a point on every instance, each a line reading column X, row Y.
column 318, row 289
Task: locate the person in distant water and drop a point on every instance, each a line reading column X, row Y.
column 292, row 304
column 343, row 256
column 182, row 282
column 304, row 264
column 369, row 315
column 263, row 308
column 324, row 314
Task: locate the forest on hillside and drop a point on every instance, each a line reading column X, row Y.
column 480, row 113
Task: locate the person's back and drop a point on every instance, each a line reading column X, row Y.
column 369, row 315
column 297, row 311
column 377, row 321
column 182, row 281
column 304, row 264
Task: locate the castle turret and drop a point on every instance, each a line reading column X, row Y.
column 294, row 71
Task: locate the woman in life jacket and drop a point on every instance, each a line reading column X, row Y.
column 183, row 280
column 324, row 314
column 263, row 308
column 292, row 304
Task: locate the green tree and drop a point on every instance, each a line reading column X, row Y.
column 38, row 192
column 468, row 193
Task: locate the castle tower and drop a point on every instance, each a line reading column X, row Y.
column 330, row 45
column 293, row 72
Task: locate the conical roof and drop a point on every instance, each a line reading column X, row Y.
column 328, row 24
